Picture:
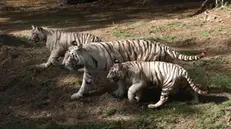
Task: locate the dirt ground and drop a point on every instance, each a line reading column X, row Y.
column 41, row 99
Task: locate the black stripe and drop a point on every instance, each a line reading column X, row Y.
column 94, row 61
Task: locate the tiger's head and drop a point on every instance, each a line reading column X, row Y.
column 37, row 34
column 116, row 72
column 72, row 60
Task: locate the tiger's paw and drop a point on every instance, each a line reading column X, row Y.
column 42, row 66
column 152, row 106
column 132, row 98
column 137, row 98
column 118, row 93
column 76, row 96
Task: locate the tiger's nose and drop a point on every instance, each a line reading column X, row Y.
column 30, row 39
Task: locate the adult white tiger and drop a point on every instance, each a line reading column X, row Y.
column 161, row 74
column 98, row 58
column 58, row 42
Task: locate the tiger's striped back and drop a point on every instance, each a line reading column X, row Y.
column 142, row 50
column 161, row 73
column 60, row 38
column 58, row 42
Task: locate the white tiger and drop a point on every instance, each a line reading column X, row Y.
column 161, row 74
column 99, row 57
column 58, row 42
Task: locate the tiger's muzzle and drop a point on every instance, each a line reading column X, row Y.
column 34, row 38
column 72, row 67
column 112, row 78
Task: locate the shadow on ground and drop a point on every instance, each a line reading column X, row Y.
column 11, row 40
column 84, row 18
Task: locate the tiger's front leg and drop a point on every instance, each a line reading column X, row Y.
column 121, row 89
column 134, row 92
column 86, row 83
column 52, row 60
column 138, row 95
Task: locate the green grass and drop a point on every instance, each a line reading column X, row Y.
column 214, row 31
column 207, row 72
column 175, row 24
column 204, row 33
column 213, row 118
column 155, row 29
column 190, row 52
column 121, row 33
column 154, row 39
column 174, row 40
column 110, row 111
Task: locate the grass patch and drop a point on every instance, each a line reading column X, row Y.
column 175, row 24
column 137, row 24
column 208, row 33
column 121, row 33
column 212, row 118
column 219, row 29
column 196, row 23
column 207, row 73
column 190, row 52
column 179, row 41
column 154, row 39
column 204, row 33
column 155, row 29
column 170, row 38
column 110, row 112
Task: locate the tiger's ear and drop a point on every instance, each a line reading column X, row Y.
column 80, row 47
column 33, row 27
column 116, row 61
column 39, row 28
column 74, row 43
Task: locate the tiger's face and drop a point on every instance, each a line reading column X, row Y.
column 116, row 72
column 37, row 34
column 72, row 60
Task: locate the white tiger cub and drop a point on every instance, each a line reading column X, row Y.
column 98, row 58
column 58, row 42
column 162, row 74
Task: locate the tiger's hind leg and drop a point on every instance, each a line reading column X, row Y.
column 163, row 98
column 52, row 60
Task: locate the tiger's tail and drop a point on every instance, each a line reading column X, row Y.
column 177, row 55
column 195, row 87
